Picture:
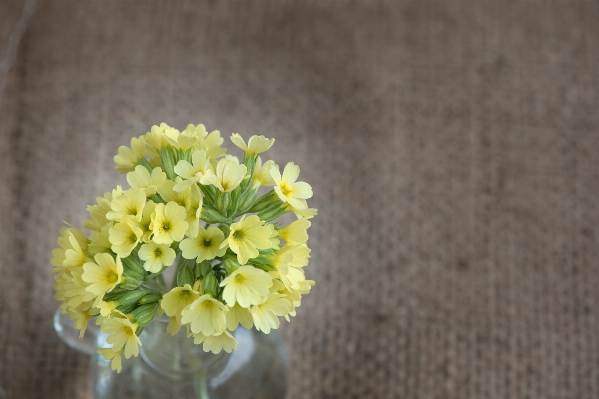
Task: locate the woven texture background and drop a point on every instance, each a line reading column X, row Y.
column 451, row 146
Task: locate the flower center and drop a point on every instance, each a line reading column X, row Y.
column 113, row 277
column 207, row 242
column 166, row 227
column 158, row 252
column 238, row 235
column 284, row 189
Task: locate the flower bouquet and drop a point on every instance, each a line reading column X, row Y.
column 192, row 239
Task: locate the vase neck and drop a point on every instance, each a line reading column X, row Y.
column 175, row 356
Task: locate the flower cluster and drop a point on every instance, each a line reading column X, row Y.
column 196, row 209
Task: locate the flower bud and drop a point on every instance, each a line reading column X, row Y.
column 212, row 216
column 144, row 314
column 223, row 202
column 210, row 284
column 133, row 274
column 230, row 265
column 263, row 202
column 246, row 201
column 271, row 213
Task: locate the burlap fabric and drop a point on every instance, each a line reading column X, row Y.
column 451, row 146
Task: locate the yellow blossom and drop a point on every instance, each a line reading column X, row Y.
column 168, row 194
column 193, row 205
column 192, row 172
column 205, row 315
column 247, row 286
column 100, row 240
column 156, row 256
column 124, row 237
column 103, row 275
column 216, row 343
column 205, row 246
column 256, row 144
column 212, row 145
column 247, row 236
column 168, row 223
column 98, row 212
column 296, row 232
column 262, row 175
column 307, row 213
column 142, row 180
column 288, row 189
column 145, row 224
column 115, row 356
column 121, row 333
column 238, row 315
column 288, row 262
column 265, row 314
column 178, row 299
column 229, row 174
column 128, row 158
column 129, row 205
column 157, row 136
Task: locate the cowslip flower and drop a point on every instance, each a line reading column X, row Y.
column 129, row 205
column 121, row 334
column 247, row 236
column 103, row 275
column 288, row 189
column 168, row 223
column 262, row 175
column 124, row 237
column 142, row 180
column 265, row 314
column 115, row 357
column 229, row 174
column 205, row 246
column 192, row 172
column 256, row 144
column 246, row 286
column 205, row 315
column 178, row 299
column 128, row 158
column 296, row 232
column 215, row 343
column 238, row 315
column 155, row 256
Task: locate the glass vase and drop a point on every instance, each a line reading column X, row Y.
column 174, row 367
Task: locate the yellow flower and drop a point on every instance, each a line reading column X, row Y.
column 212, row 145
column 308, row 213
column 110, row 354
column 262, row 175
column 103, row 275
column 106, row 308
column 145, row 224
column 296, row 232
column 168, row 223
column 193, row 205
column 178, row 299
column 124, row 237
column 216, row 343
column 205, row 246
column 143, row 181
column 198, row 131
column 288, row 262
column 247, row 286
column 247, row 237
column 288, row 190
column 256, row 144
column 80, row 315
column 98, row 212
column 121, row 333
column 265, row 314
column 192, row 172
column 100, row 241
column 156, row 256
column 157, row 136
column 129, row 205
column 128, row 158
column 205, row 315
column 238, row 315
column 167, row 192
column 229, row 174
